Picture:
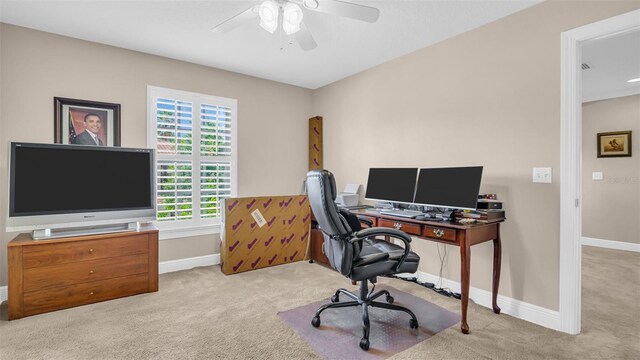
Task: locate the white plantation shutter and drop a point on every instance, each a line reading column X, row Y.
column 215, row 185
column 194, row 137
column 174, row 123
column 215, row 130
column 174, row 195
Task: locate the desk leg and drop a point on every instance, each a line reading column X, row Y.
column 497, row 263
column 465, row 263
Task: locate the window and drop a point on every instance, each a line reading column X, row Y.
column 194, row 136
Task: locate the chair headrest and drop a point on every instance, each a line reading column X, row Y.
column 321, row 189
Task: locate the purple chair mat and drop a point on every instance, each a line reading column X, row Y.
column 340, row 331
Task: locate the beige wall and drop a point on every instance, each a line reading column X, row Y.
column 611, row 208
column 488, row 97
column 36, row 66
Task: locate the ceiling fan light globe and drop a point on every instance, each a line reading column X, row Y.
column 290, row 28
column 292, row 14
column 310, row 4
column 269, row 12
column 269, row 26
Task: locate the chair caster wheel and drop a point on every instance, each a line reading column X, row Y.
column 315, row 322
column 364, row 344
column 335, row 298
column 413, row 323
column 390, row 299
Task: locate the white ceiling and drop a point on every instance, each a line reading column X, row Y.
column 613, row 61
column 181, row 30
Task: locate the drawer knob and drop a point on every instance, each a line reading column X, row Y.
column 438, row 232
column 91, row 293
column 90, row 250
column 397, row 226
column 90, row 271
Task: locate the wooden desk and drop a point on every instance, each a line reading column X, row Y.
column 452, row 233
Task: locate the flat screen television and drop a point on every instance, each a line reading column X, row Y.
column 453, row 187
column 392, row 184
column 64, row 186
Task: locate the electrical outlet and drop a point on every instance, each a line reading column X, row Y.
column 597, row 175
column 542, row 175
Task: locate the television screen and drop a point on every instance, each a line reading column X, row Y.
column 48, row 180
column 455, row 187
column 392, row 184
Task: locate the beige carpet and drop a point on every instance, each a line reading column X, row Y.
column 203, row 314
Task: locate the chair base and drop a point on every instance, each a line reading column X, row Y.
column 365, row 300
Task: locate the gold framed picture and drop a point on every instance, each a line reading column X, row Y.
column 614, row 144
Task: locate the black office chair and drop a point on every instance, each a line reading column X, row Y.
column 357, row 254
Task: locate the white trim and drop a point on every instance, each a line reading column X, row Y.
column 570, row 157
column 4, row 293
column 182, row 232
column 611, row 94
column 610, row 244
column 188, row 263
column 516, row 308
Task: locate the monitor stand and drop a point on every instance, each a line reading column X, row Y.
column 45, row 234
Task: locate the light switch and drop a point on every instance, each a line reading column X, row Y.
column 542, row 175
column 597, row 175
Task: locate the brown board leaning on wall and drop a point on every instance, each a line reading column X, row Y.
column 266, row 231
column 315, row 143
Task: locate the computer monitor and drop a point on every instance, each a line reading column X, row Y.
column 454, row 187
column 392, row 184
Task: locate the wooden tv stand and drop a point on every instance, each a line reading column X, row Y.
column 61, row 273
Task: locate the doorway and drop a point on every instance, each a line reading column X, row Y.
column 570, row 161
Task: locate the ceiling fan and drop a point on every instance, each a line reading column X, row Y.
column 288, row 14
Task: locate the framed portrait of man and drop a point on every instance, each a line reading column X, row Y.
column 84, row 122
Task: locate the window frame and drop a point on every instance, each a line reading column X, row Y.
column 194, row 227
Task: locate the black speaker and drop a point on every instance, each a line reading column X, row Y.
column 489, row 205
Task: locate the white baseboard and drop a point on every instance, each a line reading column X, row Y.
column 516, row 308
column 4, row 293
column 610, row 244
column 188, row 263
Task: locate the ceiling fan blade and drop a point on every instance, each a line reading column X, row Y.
column 354, row 11
column 304, row 38
column 234, row 22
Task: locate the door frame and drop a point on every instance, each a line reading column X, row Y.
column 570, row 160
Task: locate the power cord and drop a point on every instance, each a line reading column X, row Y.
column 444, row 292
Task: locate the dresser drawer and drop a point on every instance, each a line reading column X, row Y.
column 413, row 229
column 87, row 293
column 439, row 233
column 62, row 253
column 47, row 277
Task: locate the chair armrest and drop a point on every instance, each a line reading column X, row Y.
column 382, row 231
column 365, row 220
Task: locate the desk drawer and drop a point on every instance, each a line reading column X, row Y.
column 61, row 253
column 85, row 271
column 413, row 229
column 439, row 233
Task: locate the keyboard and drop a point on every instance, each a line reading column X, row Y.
column 402, row 213
column 358, row 207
